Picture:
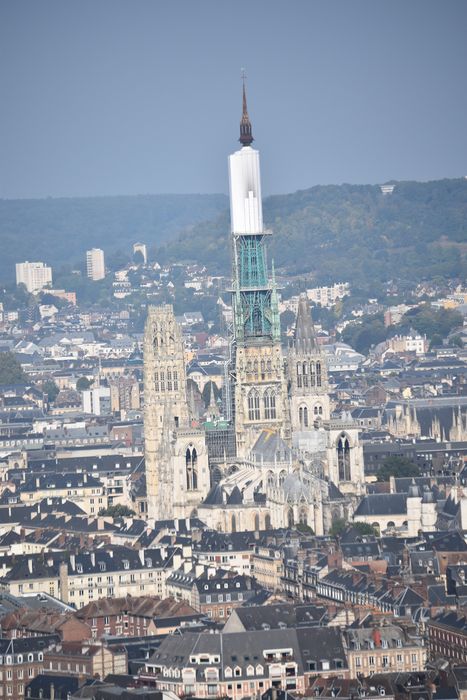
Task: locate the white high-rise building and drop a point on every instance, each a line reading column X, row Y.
column 34, row 275
column 141, row 248
column 95, row 266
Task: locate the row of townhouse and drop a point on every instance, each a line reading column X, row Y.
column 245, row 664
column 346, row 587
column 78, row 579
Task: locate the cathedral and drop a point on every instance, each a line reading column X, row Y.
column 293, row 460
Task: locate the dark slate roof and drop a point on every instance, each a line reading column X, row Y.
column 356, row 550
column 270, row 447
column 63, row 685
column 382, row 504
column 280, row 616
column 334, row 494
column 236, row 497
column 214, row 497
column 451, row 541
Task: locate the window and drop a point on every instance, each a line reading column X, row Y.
column 303, row 416
column 371, row 660
column 191, row 466
column 385, row 661
column 253, row 405
column 318, row 374
column 343, row 457
column 269, row 401
column 299, row 375
column 358, row 661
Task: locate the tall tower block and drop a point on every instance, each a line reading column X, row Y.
column 260, row 393
column 177, row 473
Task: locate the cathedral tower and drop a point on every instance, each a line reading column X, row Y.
column 260, row 392
column 308, row 374
column 177, row 474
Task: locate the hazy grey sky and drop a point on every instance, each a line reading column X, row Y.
column 144, row 96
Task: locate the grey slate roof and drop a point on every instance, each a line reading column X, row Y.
column 382, row 504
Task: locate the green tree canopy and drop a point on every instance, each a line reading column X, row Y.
column 117, row 511
column 11, row 371
column 398, row 467
column 365, row 529
column 83, row 383
column 51, row 389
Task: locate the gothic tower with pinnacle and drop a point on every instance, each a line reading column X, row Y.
column 308, row 374
column 260, row 390
column 176, row 465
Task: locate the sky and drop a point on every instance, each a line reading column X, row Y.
column 107, row 97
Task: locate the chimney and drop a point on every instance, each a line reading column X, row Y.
column 52, row 691
column 30, row 567
column 377, row 637
column 93, row 559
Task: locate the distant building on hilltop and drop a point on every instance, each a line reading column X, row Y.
column 95, row 266
column 34, row 275
column 141, row 248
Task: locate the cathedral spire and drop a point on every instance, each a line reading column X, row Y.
column 304, row 336
column 246, row 137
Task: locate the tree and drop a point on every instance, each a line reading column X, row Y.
column 117, row 511
column 306, row 529
column 51, row 389
column 397, row 467
column 338, row 526
column 11, row 371
column 83, row 383
column 365, row 529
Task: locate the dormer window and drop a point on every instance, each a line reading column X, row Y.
column 102, row 565
column 79, row 568
column 126, row 564
column 149, row 563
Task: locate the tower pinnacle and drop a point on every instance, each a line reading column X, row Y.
column 246, row 137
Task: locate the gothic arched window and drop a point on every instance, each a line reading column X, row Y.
column 318, row 374
column 282, row 476
column 234, row 524
column 269, row 401
column 253, row 405
column 256, row 522
column 343, row 457
column 175, row 375
column 290, row 518
column 267, row 522
column 156, row 381
column 312, row 374
column 191, row 463
column 305, row 374
column 299, row 375
column 303, row 517
column 303, row 416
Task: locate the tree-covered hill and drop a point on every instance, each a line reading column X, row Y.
column 352, row 233
column 336, row 232
column 59, row 231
